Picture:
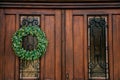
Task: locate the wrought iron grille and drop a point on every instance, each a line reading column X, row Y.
column 97, row 47
column 29, row 69
column 30, row 21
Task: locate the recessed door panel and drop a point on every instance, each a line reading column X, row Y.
column 74, row 46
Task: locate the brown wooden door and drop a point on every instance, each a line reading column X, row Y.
column 77, row 45
column 67, row 56
column 50, row 23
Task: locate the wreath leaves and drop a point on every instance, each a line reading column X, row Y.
column 26, row 54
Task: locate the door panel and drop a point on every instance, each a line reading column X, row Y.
column 50, row 55
column 9, row 58
column 116, row 46
column 76, row 43
column 78, row 47
column 50, row 63
column 74, row 47
column 69, row 46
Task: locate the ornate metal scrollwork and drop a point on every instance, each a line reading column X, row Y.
column 29, row 69
column 30, row 21
column 98, row 66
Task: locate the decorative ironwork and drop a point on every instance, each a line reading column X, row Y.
column 97, row 43
column 29, row 69
column 30, row 21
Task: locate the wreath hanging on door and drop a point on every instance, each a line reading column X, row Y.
column 29, row 54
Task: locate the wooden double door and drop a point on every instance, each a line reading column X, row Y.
column 67, row 55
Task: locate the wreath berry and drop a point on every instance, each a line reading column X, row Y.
column 41, row 43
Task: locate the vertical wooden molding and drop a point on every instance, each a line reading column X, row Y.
column 2, row 43
column 17, row 66
column 85, row 48
column 110, row 45
column 63, row 45
column 69, row 45
column 58, row 45
column 42, row 64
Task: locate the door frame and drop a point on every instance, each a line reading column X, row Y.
column 64, row 5
column 81, row 6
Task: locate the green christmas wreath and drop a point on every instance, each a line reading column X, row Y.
column 41, row 43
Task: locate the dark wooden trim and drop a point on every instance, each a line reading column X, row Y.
column 110, row 45
column 17, row 66
column 30, row 11
column 59, row 0
column 63, row 44
column 2, row 43
column 85, row 44
column 83, row 5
